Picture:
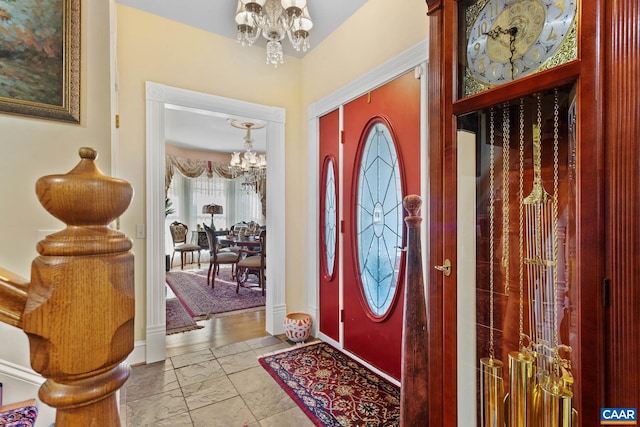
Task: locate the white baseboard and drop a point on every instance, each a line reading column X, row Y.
column 21, row 373
column 137, row 356
column 277, row 322
column 21, row 383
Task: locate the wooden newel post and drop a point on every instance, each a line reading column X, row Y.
column 79, row 312
column 414, row 392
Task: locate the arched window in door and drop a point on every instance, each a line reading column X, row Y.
column 379, row 219
column 330, row 233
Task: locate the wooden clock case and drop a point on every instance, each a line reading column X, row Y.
column 606, row 80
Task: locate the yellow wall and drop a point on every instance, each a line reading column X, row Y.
column 32, row 148
column 151, row 48
column 378, row 31
column 156, row 49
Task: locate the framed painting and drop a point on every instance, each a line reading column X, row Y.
column 40, row 58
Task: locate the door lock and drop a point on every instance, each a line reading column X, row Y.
column 445, row 267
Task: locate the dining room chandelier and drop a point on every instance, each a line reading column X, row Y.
column 249, row 165
column 275, row 20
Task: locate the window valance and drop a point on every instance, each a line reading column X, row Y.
column 188, row 167
column 193, row 168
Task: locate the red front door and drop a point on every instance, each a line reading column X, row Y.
column 381, row 166
column 329, row 210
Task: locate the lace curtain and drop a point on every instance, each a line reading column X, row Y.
column 194, row 168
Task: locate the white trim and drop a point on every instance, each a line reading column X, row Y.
column 157, row 96
column 21, row 373
column 329, row 340
column 413, row 57
column 386, row 72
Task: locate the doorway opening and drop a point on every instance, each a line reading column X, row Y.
column 158, row 96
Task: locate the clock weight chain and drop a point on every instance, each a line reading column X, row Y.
column 491, row 381
column 506, row 140
column 522, row 369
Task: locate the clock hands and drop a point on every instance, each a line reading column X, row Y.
column 511, row 32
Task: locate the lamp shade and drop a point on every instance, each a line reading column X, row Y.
column 293, row 3
column 305, row 20
column 212, row 209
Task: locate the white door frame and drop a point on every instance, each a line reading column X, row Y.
column 415, row 57
column 157, row 96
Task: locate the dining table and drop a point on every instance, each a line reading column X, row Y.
column 249, row 242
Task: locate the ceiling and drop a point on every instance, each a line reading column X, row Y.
column 206, row 130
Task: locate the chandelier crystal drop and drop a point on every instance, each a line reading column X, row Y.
column 248, row 165
column 275, row 20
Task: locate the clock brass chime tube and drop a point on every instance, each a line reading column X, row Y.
column 491, row 392
column 539, row 261
column 552, row 394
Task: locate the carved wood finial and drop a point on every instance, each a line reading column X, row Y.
column 84, row 196
column 79, row 313
column 412, row 203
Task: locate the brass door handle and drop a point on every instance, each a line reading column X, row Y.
column 445, row 267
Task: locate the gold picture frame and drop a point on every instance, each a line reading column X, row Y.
column 40, row 59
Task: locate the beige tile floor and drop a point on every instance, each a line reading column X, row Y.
column 222, row 386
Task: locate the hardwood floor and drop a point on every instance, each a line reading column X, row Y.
column 223, row 329
column 217, row 332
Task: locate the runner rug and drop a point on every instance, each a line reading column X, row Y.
column 202, row 302
column 333, row 389
column 178, row 320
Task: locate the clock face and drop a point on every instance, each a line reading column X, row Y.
column 509, row 39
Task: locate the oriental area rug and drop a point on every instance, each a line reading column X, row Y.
column 333, row 389
column 178, row 320
column 201, row 302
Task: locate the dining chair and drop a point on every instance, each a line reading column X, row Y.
column 254, row 262
column 218, row 256
column 179, row 233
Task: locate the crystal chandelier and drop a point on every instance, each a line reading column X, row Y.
column 249, row 165
column 274, row 19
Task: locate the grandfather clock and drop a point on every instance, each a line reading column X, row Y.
column 534, row 110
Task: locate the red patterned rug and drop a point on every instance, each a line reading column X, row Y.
column 178, row 320
column 202, row 302
column 333, row 389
